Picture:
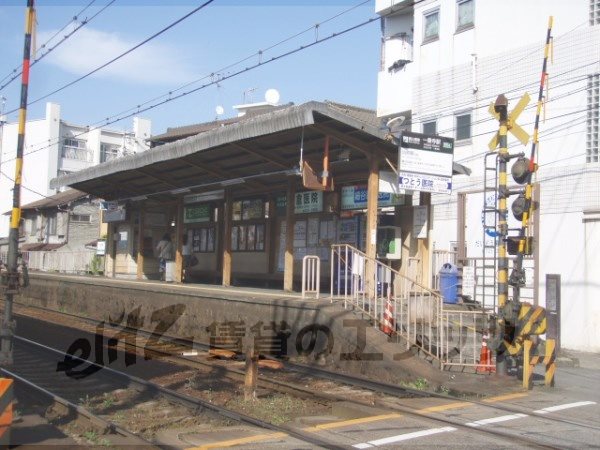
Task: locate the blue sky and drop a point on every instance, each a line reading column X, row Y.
column 343, row 69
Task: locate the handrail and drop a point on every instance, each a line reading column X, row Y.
column 311, row 275
column 419, row 316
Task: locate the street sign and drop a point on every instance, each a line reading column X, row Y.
column 425, row 162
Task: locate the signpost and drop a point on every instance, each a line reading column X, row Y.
column 425, row 162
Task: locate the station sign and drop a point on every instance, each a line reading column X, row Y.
column 355, row 197
column 197, row 213
column 425, row 162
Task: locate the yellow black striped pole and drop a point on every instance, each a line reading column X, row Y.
column 7, row 328
column 523, row 242
column 501, row 108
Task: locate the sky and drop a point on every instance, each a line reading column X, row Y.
column 202, row 48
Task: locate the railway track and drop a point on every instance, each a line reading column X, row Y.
column 171, row 349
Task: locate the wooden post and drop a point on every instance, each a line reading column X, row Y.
column 227, row 221
column 423, row 244
column 179, row 234
column 371, row 245
column 288, row 271
column 140, row 252
column 270, row 237
column 251, row 371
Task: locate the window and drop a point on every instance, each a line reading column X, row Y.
column 203, row 240
column 463, row 126
column 430, row 127
column 594, row 12
column 249, row 209
column 464, row 14
column 76, row 149
column 81, row 218
column 593, row 118
column 108, row 152
column 248, row 238
column 431, row 26
column 33, row 227
column 51, row 224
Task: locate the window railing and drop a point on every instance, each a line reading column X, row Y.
column 79, row 154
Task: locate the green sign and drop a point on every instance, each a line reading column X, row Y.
column 196, row 213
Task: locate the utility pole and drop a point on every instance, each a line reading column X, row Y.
column 8, row 325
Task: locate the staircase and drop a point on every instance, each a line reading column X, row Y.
column 447, row 335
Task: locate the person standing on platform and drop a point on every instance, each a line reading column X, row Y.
column 165, row 253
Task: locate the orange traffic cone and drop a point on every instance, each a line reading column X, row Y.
column 485, row 358
column 387, row 326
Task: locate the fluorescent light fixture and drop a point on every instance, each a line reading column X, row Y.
column 232, row 182
column 204, row 197
column 138, row 198
column 180, row 191
column 291, row 172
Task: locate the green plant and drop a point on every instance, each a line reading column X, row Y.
column 108, row 401
column 91, row 436
column 421, row 384
column 96, row 266
column 105, row 442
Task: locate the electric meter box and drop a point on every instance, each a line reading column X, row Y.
column 389, row 242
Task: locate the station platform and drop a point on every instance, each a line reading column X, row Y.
column 316, row 331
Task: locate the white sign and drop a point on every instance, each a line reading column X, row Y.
column 425, row 162
column 309, row 201
column 101, row 248
column 420, row 222
column 468, row 281
column 425, row 183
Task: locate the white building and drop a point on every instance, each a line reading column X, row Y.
column 443, row 63
column 54, row 147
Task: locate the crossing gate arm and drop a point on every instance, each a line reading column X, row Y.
column 311, row 275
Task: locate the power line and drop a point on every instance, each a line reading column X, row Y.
column 140, row 109
column 145, row 41
column 65, row 37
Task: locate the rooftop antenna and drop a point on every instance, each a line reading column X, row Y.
column 247, row 96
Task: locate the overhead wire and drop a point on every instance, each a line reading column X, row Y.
column 142, row 108
column 116, row 58
column 65, row 37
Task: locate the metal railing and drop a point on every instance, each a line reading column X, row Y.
column 450, row 335
column 63, row 262
column 311, row 279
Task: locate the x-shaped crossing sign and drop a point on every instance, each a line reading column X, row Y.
column 511, row 124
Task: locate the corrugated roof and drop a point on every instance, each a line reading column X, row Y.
column 60, row 199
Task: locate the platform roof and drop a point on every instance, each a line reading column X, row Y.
column 255, row 155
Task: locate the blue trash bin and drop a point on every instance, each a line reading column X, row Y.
column 449, row 283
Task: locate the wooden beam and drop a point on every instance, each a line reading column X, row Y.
column 363, row 147
column 140, row 252
column 179, row 234
column 371, row 245
column 225, row 175
column 288, row 271
column 157, row 178
column 269, row 158
column 227, row 223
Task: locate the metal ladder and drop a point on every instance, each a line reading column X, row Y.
column 487, row 271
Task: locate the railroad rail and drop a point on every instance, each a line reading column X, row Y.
column 172, row 347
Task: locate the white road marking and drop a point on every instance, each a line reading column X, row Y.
column 403, row 437
column 561, row 407
column 496, row 420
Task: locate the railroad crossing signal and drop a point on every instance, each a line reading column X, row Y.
column 511, row 124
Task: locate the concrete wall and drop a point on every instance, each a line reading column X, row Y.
column 192, row 311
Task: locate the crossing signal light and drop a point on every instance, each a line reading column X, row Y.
column 519, row 206
column 520, row 170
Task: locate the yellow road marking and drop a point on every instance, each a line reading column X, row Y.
column 445, row 407
column 501, row 398
column 246, row 440
column 343, row 423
